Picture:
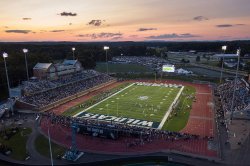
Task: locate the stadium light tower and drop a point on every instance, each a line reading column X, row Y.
column 5, row 55
column 25, row 51
column 224, row 48
column 106, row 48
column 73, row 50
column 235, row 82
column 121, row 55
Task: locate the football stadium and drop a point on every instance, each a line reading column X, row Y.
column 130, row 116
column 127, row 109
column 125, row 82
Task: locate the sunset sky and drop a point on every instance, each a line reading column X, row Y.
column 123, row 20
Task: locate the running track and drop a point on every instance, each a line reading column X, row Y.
column 200, row 123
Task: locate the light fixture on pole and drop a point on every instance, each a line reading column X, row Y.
column 235, row 82
column 25, row 51
column 106, row 48
column 73, row 49
column 224, row 48
column 5, row 55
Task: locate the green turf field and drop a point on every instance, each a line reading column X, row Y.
column 138, row 102
column 93, row 100
column 179, row 118
column 121, row 68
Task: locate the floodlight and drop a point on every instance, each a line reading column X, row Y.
column 105, row 47
column 73, row 48
column 25, row 50
column 238, row 52
column 224, row 48
column 5, row 55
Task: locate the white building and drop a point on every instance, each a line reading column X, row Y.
column 53, row 71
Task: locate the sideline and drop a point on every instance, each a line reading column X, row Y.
column 103, row 100
column 170, row 109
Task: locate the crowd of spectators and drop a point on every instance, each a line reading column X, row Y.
column 242, row 95
column 67, row 88
column 34, row 85
column 142, row 135
column 154, row 63
column 98, row 98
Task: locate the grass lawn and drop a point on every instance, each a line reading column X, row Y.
column 139, row 102
column 121, row 68
column 178, row 122
column 211, row 63
column 18, row 143
column 42, row 146
column 74, row 110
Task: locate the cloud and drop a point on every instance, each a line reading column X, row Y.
column 6, row 27
column 146, row 29
column 101, row 35
column 133, row 36
column 240, row 24
column 18, row 31
column 224, row 25
column 26, row 18
column 96, row 22
column 172, row 36
column 70, row 23
column 81, row 35
column 68, row 14
column 41, row 31
column 200, row 18
column 116, row 38
column 57, row 30
column 228, row 25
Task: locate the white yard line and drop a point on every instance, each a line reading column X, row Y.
column 170, row 109
column 103, row 100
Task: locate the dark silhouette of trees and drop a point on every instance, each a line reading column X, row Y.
column 198, row 58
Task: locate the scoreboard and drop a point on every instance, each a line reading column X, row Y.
column 168, row 68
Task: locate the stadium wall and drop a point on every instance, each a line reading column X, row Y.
column 24, row 105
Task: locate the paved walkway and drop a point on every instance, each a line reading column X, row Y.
column 35, row 157
column 30, row 146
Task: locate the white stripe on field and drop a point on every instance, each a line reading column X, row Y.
column 170, row 109
column 103, row 100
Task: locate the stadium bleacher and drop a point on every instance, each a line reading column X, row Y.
column 43, row 92
column 242, row 95
column 150, row 62
column 117, row 129
column 34, row 85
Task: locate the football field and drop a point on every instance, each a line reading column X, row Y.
column 137, row 104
